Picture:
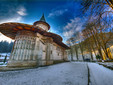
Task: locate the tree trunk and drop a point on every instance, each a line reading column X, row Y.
column 71, row 51
column 106, row 52
column 91, row 55
column 90, row 50
column 93, row 50
column 81, row 51
column 76, row 50
column 100, row 52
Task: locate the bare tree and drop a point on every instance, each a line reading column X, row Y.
column 70, row 43
column 99, row 37
column 78, row 39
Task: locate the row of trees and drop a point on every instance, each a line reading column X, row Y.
column 91, row 42
column 97, row 33
column 5, row 47
column 97, row 39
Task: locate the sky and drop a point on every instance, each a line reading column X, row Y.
column 64, row 16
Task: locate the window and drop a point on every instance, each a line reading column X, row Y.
column 58, row 54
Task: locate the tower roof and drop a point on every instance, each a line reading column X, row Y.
column 43, row 18
column 42, row 21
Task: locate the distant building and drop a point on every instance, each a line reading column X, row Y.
column 34, row 45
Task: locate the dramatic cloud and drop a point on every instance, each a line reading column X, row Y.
column 72, row 24
column 17, row 17
column 14, row 19
column 69, row 33
column 10, row 10
column 57, row 12
column 75, row 25
column 22, row 11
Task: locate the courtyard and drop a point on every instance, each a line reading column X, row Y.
column 70, row 73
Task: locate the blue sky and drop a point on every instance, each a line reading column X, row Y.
column 64, row 16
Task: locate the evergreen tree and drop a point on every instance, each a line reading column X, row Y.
column 5, row 47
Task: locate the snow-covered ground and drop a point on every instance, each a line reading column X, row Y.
column 108, row 64
column 3, row 64
column 4, row 54
column 60, row 74
column 100, row 75
column 71, row 73
column 2, row 57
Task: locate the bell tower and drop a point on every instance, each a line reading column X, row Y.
column 42, row 24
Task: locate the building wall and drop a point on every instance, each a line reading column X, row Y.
column 42, row 26
column 50, row 51
column 33, row 49
column 22, row 53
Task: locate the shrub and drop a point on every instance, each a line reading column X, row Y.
column 98, row 57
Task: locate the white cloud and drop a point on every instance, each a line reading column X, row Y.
column 14, row 19
column 57, row 12
column 68, row 33
column 75, row 25
column 18, row 17
column 72, row 24
column 22, row 11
